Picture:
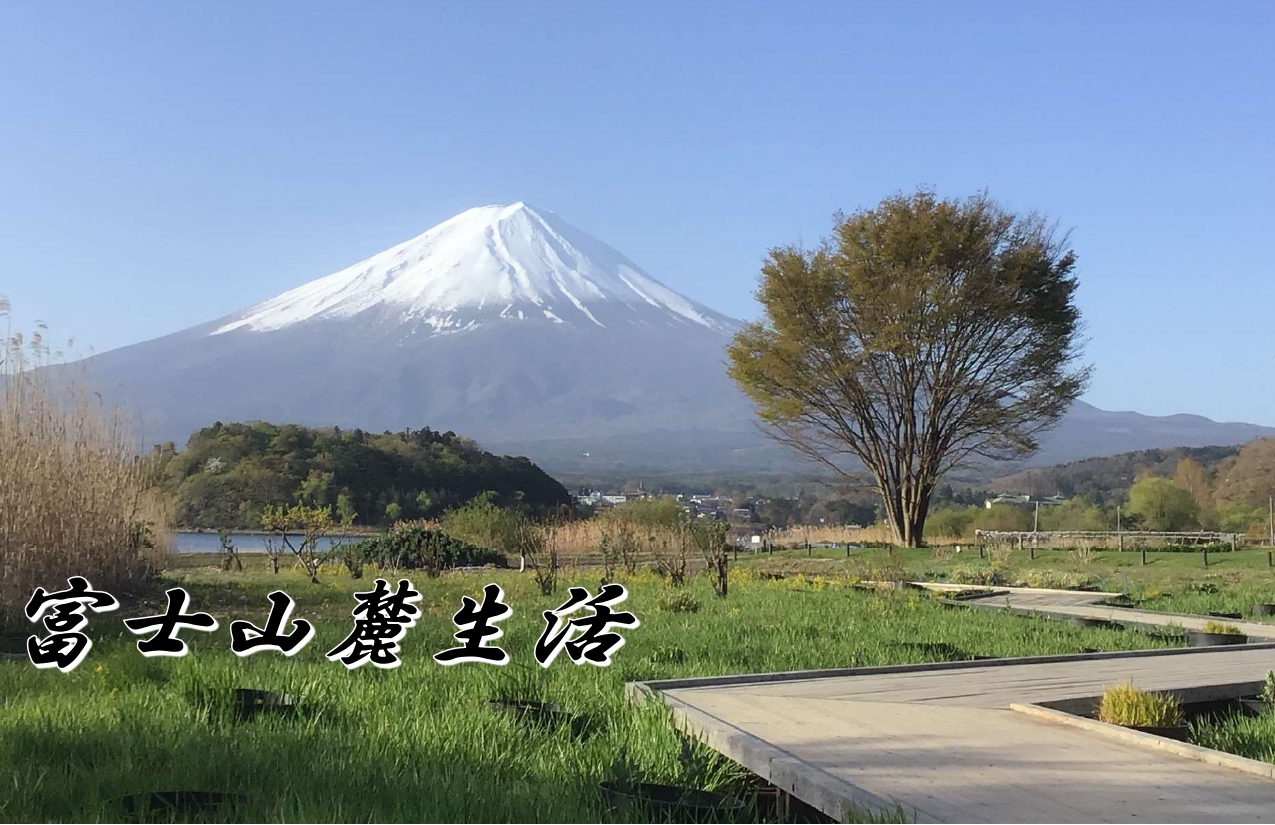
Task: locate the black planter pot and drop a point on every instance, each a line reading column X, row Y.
column 1264, row 610
column 1226, row 615
column 245, row 703
column 1176, row 732
column 1104, row 624
column 1198, row 638
column 543, row 715
column 170, row 804
column 249, row 703
column 668, row 802
column 1253, row 707
column 937, row 651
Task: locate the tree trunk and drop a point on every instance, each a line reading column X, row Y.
column 906, row 516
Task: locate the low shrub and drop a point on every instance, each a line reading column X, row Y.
column 1126, row 705
column 414, row 547
column 1224, row 629
column 984, row 576
column 1268, row 688
column 1054, row 580
column 677, row 601
column 1212, row 547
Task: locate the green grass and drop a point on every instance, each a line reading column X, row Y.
column 419, row 743
column 1250, row 736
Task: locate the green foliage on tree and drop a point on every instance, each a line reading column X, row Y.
column 485, row 523
column 299, row 529
column 1249, row 479
column 951, row 522
column 229, row 472
column 1161, row 505
column 1007, row 517
column 923, row 333
column 345, row 511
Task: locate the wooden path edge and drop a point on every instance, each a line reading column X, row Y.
column 835, row 797
column 642, row 689
column 1149, row 741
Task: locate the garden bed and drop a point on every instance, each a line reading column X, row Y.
column 1218, row 599
column 1228, row 724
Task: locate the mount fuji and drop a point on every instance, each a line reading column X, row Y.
column 504, row 323
column 484, row 266
column 509, row 325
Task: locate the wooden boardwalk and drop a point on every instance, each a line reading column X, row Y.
column 1089, row 605
column 941, row 742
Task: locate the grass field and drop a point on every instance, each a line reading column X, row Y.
column 419, row 743
column 1243, row 572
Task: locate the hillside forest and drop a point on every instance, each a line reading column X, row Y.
column 1184, row 489
column 229, row 473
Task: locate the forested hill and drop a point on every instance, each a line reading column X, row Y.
column 229, row 472
column 1106, row 480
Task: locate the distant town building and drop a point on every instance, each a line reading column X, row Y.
column 1022, row 500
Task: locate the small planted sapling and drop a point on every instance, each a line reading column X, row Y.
column 311, row 524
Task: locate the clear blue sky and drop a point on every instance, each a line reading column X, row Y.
column 166, row 163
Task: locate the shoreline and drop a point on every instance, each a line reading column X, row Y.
column 359, row 532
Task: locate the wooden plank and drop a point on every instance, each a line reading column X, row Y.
column 943, row 744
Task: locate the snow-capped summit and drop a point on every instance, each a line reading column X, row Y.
column 487, row 264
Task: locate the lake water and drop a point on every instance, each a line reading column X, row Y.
column 245, row 542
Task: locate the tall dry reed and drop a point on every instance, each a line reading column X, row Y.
column 75, row 498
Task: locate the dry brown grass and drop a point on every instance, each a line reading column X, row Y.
column 74, row 497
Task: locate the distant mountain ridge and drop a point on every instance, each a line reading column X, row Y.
column 509, row 325
column 1087, row 431
column 1105, row 479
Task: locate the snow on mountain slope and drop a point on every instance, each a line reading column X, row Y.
column 486, row 264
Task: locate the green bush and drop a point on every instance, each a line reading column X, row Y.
column 1054, row 580
column 483, row 523
column 413, row 547
column 951, row 523
column 678, row 601
column 1268, row 688
column 1224, row 629
column 984, row 576
column 1126, row 705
